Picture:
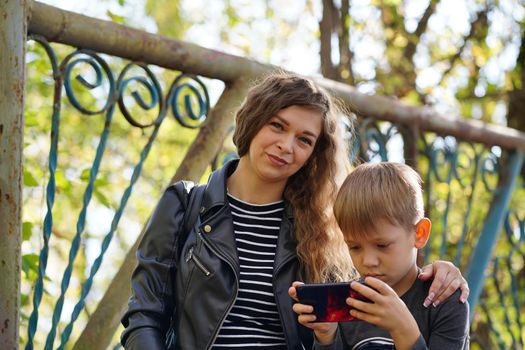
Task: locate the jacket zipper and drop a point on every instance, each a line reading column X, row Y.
column 197, row 262
column 236, row 289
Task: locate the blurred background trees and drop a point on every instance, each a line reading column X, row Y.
column 463, row 57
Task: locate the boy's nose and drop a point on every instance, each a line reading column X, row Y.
column 370, row 260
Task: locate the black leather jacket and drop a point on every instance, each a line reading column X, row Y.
column 199, row 287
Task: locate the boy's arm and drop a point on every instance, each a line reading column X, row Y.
column 450, row 326
column 387, row 311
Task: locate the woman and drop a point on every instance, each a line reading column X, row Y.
column 264, row 223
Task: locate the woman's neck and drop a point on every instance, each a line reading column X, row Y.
column 249, row 188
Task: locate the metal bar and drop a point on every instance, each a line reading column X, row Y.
column 111, row 38
column 425, row 118
column 492, row 228
column 77, row 30
column 13, row 28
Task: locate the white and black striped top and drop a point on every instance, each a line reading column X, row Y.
column 253, row 320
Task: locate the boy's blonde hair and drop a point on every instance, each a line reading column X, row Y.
column 375, row 191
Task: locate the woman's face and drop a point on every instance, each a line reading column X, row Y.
column 284, row 143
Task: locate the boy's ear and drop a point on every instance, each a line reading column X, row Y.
column 422, row 232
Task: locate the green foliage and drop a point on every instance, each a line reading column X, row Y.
column 115, row 18
column 167, row 13
column 27, row 230
column 29, row 179
column 30, row 266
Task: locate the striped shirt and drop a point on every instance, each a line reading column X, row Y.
column 254, row 320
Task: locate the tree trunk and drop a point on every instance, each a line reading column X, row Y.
column 326, row 27
column 345, row 71
column 516, row 98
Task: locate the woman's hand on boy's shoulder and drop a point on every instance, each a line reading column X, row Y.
column 447, row 279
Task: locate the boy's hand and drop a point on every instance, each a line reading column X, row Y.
column 325, row 331
column 387, row 311
column 447, row 279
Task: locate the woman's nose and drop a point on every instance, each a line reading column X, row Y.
column 285, row 144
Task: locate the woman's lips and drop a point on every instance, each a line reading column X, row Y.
column 277, row 160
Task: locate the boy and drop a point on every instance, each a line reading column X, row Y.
column 379, row 209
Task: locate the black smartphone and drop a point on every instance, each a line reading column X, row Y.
column 329, row 300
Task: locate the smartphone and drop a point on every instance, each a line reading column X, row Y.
column 329, row 300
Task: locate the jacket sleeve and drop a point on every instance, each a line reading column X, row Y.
column 152, row 289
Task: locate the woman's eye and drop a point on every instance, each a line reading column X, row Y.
column 306, row 141
column 276, row 125
column 353, row 247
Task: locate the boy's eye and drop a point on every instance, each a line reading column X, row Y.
column 383, row 245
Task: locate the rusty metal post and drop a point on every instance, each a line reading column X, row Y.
column 13, row 28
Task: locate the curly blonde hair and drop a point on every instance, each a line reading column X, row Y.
column 311, row 190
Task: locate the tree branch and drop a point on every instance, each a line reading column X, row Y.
column 520, row 61
column 479, row 21
column 326, row 26
column 414, row 38
column 345, row 70
column 516, row 101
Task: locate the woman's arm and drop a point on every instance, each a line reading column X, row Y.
column 151, row 303
column 446, row 280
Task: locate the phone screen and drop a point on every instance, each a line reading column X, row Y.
column 329, row 300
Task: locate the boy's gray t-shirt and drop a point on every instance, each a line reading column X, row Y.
column 442, row 327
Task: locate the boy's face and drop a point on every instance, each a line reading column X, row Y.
column 388, row 253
